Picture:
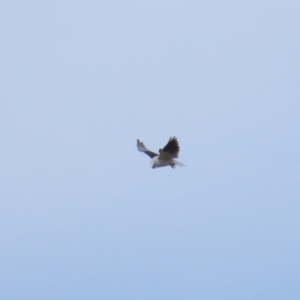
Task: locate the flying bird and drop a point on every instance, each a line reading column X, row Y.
column 166, row 155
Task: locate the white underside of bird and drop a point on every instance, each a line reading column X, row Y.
column 166, row 156
column 156, row 162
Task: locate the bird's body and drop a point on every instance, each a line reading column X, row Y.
column 166, row 155
column 156, row 162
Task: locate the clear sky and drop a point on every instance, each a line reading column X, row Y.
column 82, row 214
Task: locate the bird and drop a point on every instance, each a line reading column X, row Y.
column 166, row 154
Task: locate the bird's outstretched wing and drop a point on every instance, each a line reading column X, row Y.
column 171, row 149
column 141, row 147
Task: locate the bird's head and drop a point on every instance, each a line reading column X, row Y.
column 153, row 163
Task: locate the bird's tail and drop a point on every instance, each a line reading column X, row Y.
column 178, row 163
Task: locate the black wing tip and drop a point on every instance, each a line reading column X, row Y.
column 174, row 140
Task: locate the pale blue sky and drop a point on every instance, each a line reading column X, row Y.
column 82, row 214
